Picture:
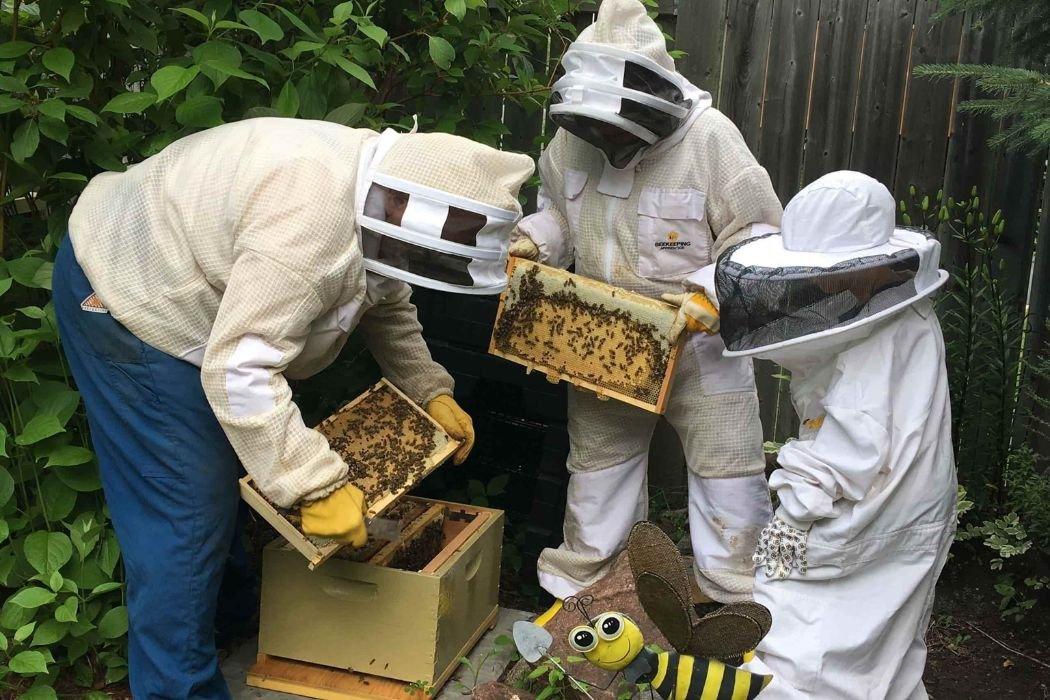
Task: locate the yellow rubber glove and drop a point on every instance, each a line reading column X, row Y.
column 338, row 516
column 524, row 248
column 696, row 313
column 456, row 423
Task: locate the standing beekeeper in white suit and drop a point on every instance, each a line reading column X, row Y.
column 849, row 563
column 643, row 186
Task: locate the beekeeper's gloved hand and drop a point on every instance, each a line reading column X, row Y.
column 338, row 516
column 696, row 313
column 782, row 547
column 456, row 423
column 524, row 247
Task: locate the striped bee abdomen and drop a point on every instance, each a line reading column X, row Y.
column 685, row 678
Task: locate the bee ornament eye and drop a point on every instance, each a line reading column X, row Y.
column 610, row 626
column 583, row 639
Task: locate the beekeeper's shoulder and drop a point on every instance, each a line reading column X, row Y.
column 713, row 128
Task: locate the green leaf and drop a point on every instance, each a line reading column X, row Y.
column 39, row 427
column 3, row 642
column 83, row 478
column 288, row 100
column 54, row 130
column 67, row 611
column 59, row 60
column 14, row 49
column 27, row 663
column 441, row 52
column 195, row 14
column 171, row 79
column 114, row 623
column 457, row 8
column 20, row 373
column 48, row 632
column 202, row 111
column 347, row 115
column 23, row 632
column 376, row 34
column 31, row 598
column 57, row 498
column 68, row 456
column 55, row 581
column 130, row 102
column 25, row 141
column 56, row 109
column 7, row 484
column 334, row 57
column 39, row 692
column 233, row 71
column 82, row 113
column 266, row 28
column 298, row 23
column 342, row 12
column 104, row 588
column 72, row 177
column 227, row 24
column 9, row 104
column 47, row 552
column 295, row 50
column 10, row 84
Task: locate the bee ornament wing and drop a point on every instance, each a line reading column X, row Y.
column 662, row 583
column 730, row 631
column 665, row 607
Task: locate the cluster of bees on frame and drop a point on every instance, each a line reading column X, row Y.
column 585, row 340
column 385, row 442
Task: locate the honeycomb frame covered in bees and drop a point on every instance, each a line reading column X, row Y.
column 389, row 444
column 595, row 336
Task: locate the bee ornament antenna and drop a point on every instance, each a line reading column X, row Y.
column 579, row 603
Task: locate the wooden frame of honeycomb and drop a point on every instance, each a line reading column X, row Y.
column 608, row 340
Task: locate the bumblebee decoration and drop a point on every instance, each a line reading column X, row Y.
column 613, row 642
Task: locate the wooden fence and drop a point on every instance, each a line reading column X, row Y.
column 823, row 85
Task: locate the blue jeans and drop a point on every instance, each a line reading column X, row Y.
column 170, row 480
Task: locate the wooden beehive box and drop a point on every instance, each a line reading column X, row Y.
column 389, row 445
column 364, row 629
column 608, row 340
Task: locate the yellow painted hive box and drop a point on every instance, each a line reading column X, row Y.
column 377, row 621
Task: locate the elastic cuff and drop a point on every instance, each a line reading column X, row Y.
column 323, row 492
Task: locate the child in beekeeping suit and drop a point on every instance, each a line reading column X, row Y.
column 849, row 562
column 192, row 286
column 643, row 186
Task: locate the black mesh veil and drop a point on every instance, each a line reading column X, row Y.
column 762, row 306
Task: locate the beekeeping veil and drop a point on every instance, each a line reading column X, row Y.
column 839, row 264
column 621, row 94
column 437, row 210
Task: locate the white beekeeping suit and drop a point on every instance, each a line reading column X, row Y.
column 252, row 249
column 849, row 563
column 643, row 186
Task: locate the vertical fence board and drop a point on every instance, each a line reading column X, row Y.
column 883, row 78
column 836, row 80
column 787, row 93
column 928, row 108
column 700, row 32
column 748, row 25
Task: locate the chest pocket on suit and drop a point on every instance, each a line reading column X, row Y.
column 673, row 237
column 575, row 181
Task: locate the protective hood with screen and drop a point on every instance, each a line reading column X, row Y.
column 437, row 210
column 766, row 306
column 619, row 91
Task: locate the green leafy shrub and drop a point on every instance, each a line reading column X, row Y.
column 1004, row 506
column 91, row 85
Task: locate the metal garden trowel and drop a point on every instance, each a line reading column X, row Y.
column 531, row 640
column 533, row 643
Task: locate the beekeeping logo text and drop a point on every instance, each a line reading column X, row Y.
column 673, row 242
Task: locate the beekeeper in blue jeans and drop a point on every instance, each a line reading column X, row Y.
column 193, row 285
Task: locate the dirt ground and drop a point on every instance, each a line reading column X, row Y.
column 975, row 654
